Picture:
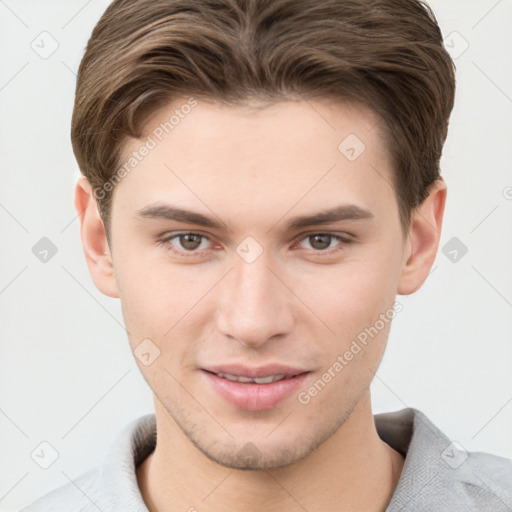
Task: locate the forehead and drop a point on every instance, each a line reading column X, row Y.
column 257, row 155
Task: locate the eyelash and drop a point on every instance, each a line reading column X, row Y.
column 165, row 242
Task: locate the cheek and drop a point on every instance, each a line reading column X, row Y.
column 162, row 305
column 156, row 294
column 350, row 295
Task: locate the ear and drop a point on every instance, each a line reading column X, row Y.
column 94, row 239
column 423, row 239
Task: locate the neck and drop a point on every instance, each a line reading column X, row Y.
column 352, row 470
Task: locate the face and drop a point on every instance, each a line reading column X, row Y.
column 253, row 286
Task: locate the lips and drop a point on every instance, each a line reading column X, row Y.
column 255, row 388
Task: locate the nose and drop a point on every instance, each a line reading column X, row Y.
column 254, row 304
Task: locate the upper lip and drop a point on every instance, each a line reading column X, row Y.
column 253, row 372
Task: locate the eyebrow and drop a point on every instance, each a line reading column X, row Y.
column 339, row 213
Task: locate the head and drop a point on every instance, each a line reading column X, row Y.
column 254, row 115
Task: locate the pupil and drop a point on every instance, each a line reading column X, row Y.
column 326, row 239
column 187, row 241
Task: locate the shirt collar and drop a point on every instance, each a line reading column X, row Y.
column 429, row 460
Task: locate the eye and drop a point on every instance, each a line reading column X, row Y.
column 193, row 244
column 188, row 242
column 321, row 242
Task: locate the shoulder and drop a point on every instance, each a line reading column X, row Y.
column 487, row 479
column 482, row 482
column 79, row 495
column 113, row 483
column 439, row 474
column 477, row 481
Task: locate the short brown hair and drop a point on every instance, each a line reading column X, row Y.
column 387, row 54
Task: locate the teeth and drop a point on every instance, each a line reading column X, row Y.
column 257, row 380
column 269, row 379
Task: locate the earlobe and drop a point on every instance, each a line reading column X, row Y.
column 423, row 240
column 94, row 239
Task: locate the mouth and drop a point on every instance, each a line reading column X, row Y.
column 239, row 371
column 254, row 389
column 257, row 380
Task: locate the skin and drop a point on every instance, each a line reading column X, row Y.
column 254, row 169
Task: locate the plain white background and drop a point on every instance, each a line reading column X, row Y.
column 67, row 374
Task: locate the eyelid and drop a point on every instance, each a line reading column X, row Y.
column 340, row 234
column 344, row 239
column 165, row 242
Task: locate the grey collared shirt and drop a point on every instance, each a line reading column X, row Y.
column 438, row 474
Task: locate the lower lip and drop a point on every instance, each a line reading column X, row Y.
column 252, row 396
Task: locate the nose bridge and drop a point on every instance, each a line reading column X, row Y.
column 253, row 305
